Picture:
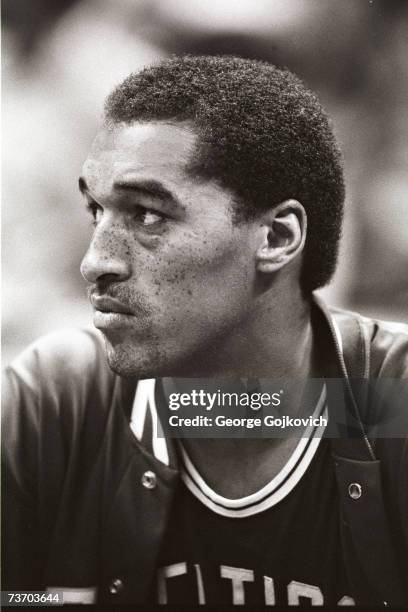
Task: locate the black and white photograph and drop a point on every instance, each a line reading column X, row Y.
column 205, row 304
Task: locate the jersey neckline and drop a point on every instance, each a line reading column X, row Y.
column 273, row 492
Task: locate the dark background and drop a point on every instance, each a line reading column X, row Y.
column 61, row 58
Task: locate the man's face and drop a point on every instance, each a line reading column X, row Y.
column 171, row 274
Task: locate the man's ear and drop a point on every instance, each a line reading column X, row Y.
column 283, row 235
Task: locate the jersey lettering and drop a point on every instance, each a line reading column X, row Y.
column 238, row 576
column 299, row 589
column 176, row 569
column 269, row 590
column 200, row 584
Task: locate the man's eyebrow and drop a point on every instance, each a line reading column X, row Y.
column 149, row 187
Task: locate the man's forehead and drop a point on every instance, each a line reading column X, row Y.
column 145, row 150
column 147, row 143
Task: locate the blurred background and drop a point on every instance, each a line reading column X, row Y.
column 62, row 57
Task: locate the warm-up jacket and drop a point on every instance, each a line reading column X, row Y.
column 85, row 506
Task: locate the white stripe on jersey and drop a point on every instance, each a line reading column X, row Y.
column 272, row 493
column 144, row 400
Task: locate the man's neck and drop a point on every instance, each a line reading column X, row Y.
column 272, row 342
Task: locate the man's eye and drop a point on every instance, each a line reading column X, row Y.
column 146, row 216
column 96, row 211
column 143, row 216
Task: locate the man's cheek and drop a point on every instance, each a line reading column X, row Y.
column 171, row 278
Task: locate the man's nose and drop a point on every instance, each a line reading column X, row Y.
column 101, row 261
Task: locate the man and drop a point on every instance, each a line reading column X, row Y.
column 216, row 191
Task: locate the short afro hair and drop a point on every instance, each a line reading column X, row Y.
column 261, row 133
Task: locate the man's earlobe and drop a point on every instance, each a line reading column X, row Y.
column 283, row 236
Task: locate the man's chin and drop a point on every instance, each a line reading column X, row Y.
column 131, row 364
column 148, row 361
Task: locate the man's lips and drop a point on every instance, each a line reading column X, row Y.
column 110, row 305
column 112, row 314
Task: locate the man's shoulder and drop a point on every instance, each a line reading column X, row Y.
column 61, row 387
column 386, row 342
column 63, row 375
column 60, row 357
column 374, row 325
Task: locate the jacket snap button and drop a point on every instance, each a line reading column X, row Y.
column 149, row 480
column 354, row 490
column 116, row 586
